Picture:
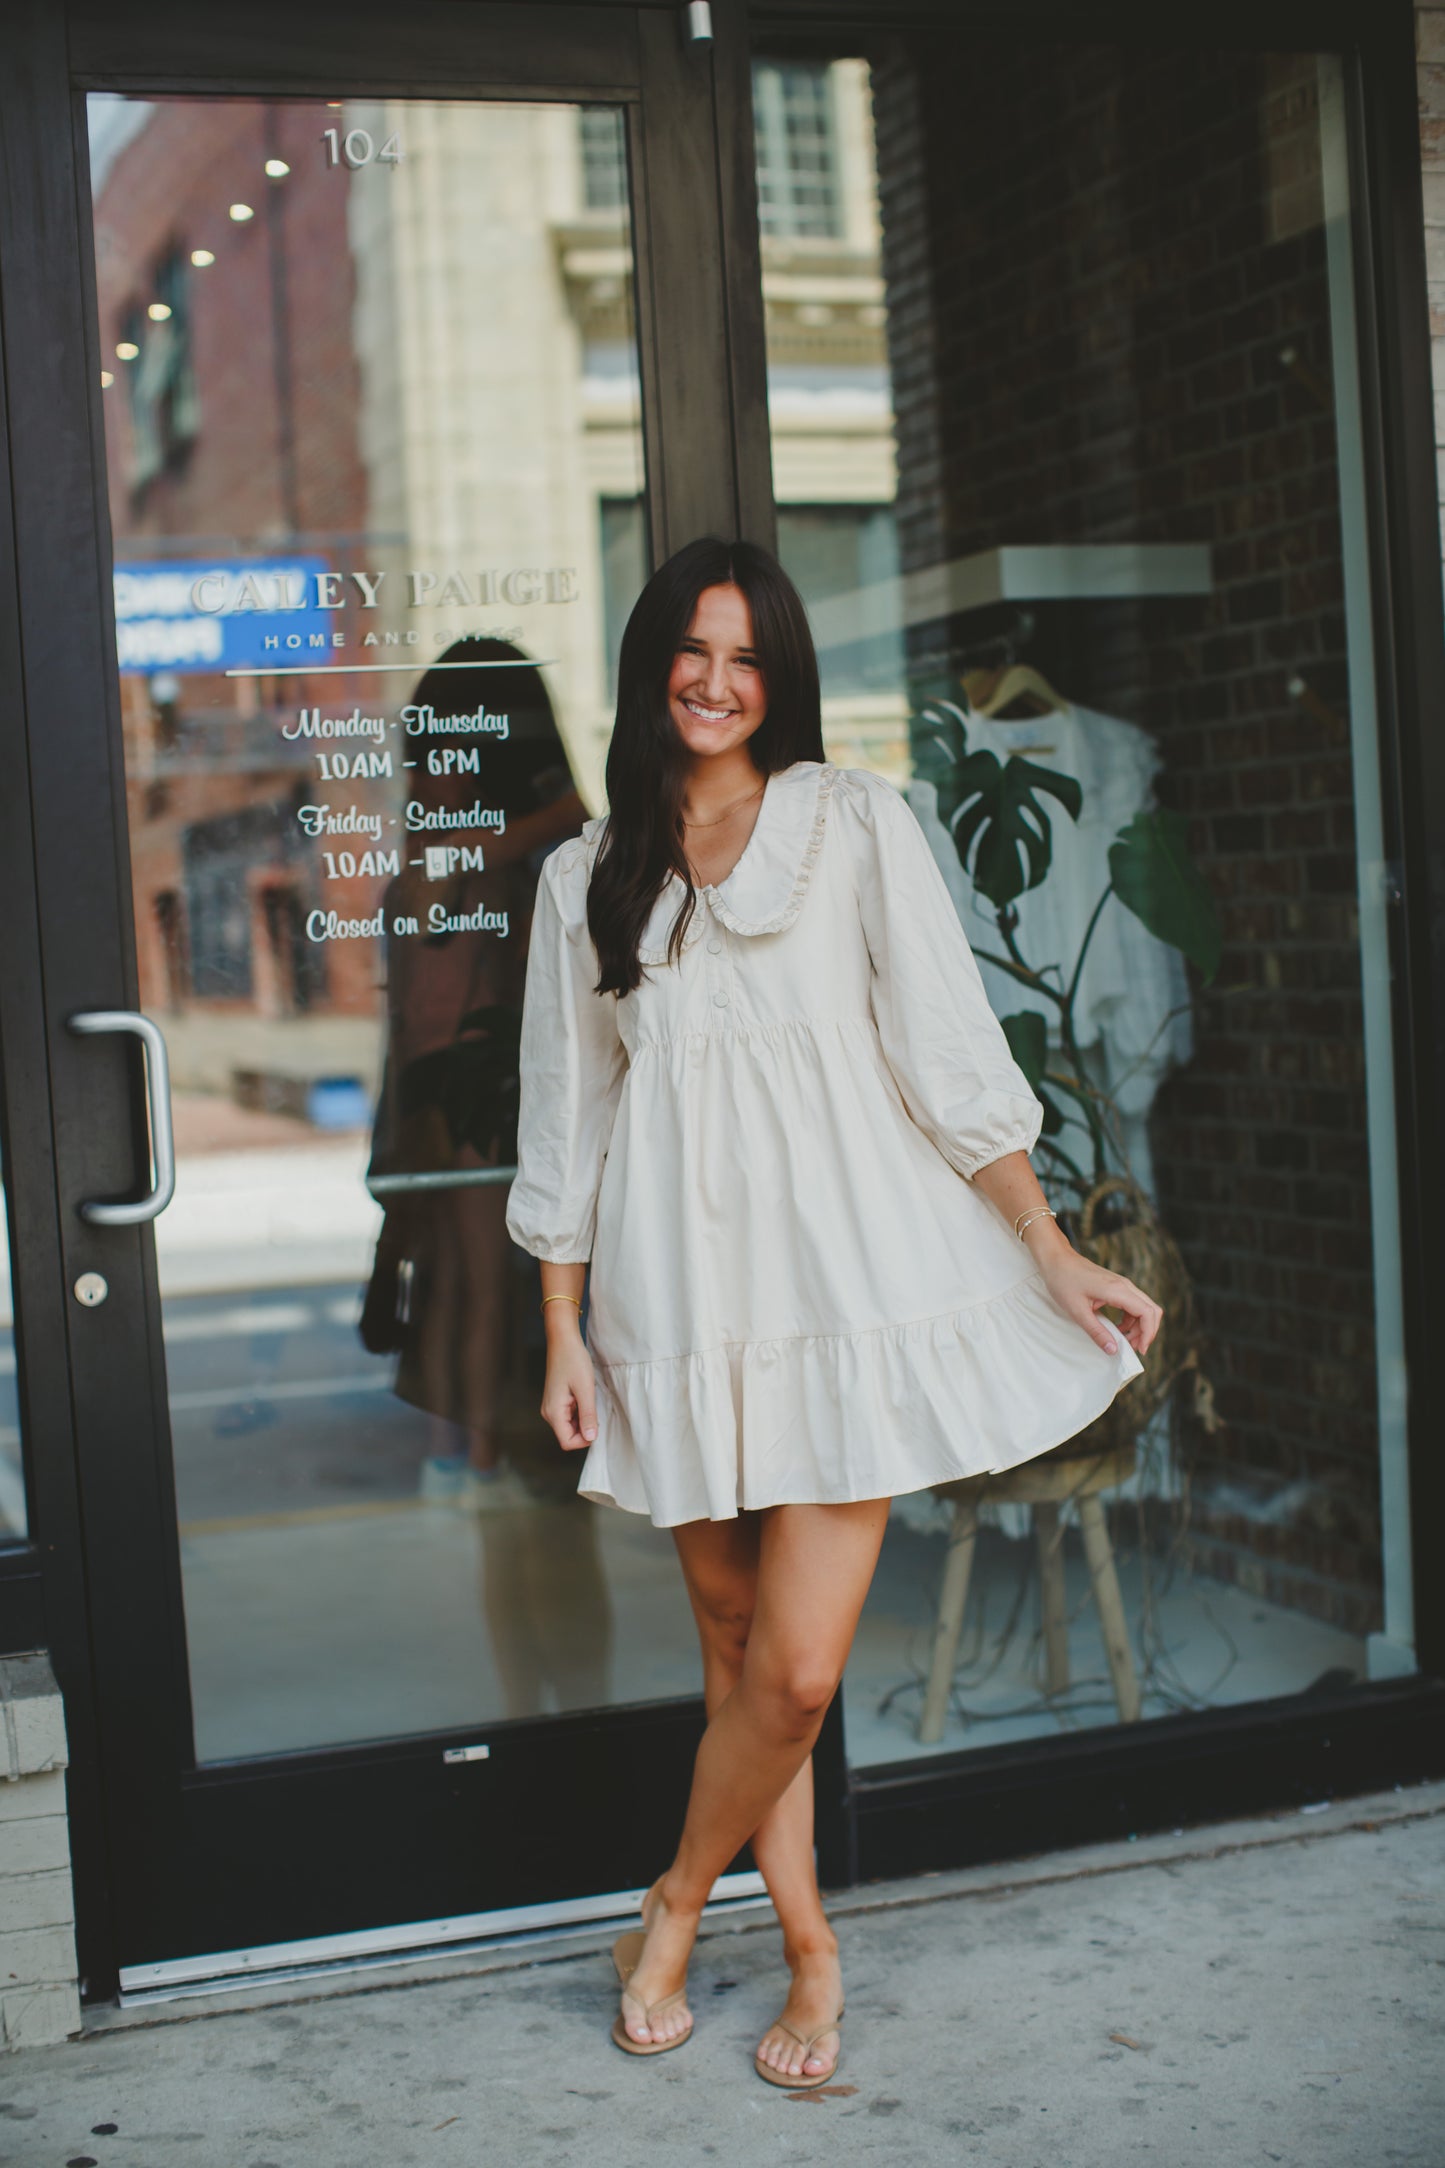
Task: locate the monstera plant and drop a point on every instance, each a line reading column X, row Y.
column 997, row 816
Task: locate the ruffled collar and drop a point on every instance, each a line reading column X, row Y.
column 765, row 890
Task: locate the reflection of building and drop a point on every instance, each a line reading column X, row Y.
column 417, row 351
column 499, row 397
column 392, row 362
column 829, row 393
column 262, row 452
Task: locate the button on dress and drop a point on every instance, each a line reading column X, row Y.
column 765, row 1152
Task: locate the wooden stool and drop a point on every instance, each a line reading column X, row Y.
column 1045, row 1484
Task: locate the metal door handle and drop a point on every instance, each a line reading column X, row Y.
column 399, row 1185
column 91, row 1023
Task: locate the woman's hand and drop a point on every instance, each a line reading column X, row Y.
column 569, row 1393
column 1080, row 1287
column 1077, row 1284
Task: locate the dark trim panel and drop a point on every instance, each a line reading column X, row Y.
column 478, row 1837
column 1286, row 25
column 332, row 48
column 49, row 574
column 685, row 403
column 736, row 187
column 22, row 1603
column 963, row 1810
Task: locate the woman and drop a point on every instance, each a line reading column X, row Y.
column 764, row 1094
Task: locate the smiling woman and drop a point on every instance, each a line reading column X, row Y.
column 717, row 689
column 787, row 1132
column 717, row 697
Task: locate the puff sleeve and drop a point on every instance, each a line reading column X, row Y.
column 572, row 1066
column 944, row 1045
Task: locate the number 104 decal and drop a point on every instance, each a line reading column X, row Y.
column 358, row 147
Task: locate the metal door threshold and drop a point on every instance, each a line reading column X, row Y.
column 370, row 1948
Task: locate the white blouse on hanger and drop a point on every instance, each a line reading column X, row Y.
column 797, row 1295
column 1132, row 1002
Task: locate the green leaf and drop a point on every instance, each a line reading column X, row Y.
column 991, row 808
column 1015, row 836
column 1028, row 1039
column 938, row 750
column 1155, row 877
column 1028, row 1036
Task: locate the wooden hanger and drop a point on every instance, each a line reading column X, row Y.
column 989, row 692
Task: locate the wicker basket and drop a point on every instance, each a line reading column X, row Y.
column 1141, row 1249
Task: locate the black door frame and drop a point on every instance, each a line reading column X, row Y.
column 93, row 1381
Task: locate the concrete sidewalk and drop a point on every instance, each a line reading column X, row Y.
column 1265, row 1991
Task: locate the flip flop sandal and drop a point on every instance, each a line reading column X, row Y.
column 801, row 2084
column 626, row 1952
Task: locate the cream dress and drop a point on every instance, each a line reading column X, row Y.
column 797, row 1294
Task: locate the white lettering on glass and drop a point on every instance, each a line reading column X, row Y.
column 419, row 817
column 319, row 820
column 313, row 724
column 440, row 920
column 331, row 926
column 424, row 722
column 444, row 859
column 345, row 865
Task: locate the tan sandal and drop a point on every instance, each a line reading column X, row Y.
column 626, row 1956
column 801, row 2084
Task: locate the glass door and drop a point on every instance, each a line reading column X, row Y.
column 370, row 389
column 382, row 437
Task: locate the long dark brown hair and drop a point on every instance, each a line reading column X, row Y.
column 647, row 762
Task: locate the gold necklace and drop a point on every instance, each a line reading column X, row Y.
column 721, row 817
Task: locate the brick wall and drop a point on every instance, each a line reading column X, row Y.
column 39, row 1998
column 274, row 464
column 270, row 323
column 1109, row 320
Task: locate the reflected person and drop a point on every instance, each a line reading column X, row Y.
column 453, row 1001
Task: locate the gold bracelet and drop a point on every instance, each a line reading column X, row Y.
column 559, row 1298
column 1035, row 1211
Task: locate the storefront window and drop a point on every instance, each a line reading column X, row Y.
column 376, row 491
column 1066, row 451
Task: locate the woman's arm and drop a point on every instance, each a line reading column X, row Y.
column 572, row 1067
column 1077, row 1284
column 952, row 1062
column 569, row 1395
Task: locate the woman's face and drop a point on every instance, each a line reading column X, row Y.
column 715, row 690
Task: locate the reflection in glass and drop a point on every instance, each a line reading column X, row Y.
column 1066, row 453
column 377, row 492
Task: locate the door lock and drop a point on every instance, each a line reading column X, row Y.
column 91, row 1289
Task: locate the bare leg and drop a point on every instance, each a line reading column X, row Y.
column 814, row 1567
column 720, row 1566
